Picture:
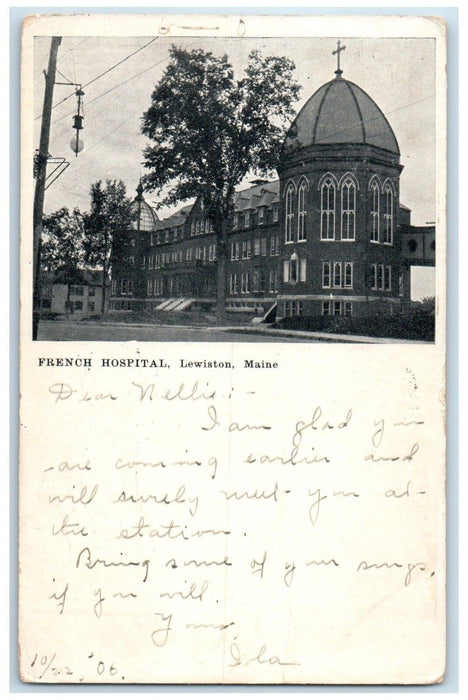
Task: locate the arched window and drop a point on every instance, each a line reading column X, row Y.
column 375, row 212
column 328, row 198
column 289, row 215
column 301, row 213
column 388, row 215
column 348, row 210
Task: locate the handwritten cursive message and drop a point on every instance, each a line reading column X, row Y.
column 208, row 527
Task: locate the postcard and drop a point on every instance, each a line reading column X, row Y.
column 233, row 289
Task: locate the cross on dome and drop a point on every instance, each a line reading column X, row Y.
column 336, row 53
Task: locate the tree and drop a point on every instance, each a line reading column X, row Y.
column 105, row 228
column 62, row 246
column 209, row 131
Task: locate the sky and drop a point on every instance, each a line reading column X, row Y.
column 398, row 74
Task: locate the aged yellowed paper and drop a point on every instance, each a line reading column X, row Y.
column 253, row 493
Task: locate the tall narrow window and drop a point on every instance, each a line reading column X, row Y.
column 337, row 274
column 388, row 215
column 388, row 278
column 348, row 274
column 326, row 275
column 328, row 197
column 289, row 215
column 375, row 212
column 301, row 213
column 348, row 210
column 380, row 276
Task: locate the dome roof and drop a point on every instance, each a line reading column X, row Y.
column 144, row 216
column 341, row 112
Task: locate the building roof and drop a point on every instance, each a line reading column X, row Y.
column 262, row 195
column 341, row 112
column 176, row 219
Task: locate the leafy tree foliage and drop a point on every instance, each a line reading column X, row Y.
column 209, row 130
column 105, row 228
column 62, row 245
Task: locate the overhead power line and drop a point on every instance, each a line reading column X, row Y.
column 123, row 82
column 108, row 70
column 73, row 48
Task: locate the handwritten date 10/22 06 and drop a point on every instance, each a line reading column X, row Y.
column 46, row 666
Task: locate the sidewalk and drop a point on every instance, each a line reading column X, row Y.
column 316, row 335
column 264, row 330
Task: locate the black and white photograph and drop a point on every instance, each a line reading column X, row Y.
column 235, row 189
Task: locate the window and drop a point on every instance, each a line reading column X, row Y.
column 233, row 283
column 76, row 291
column 289, row 215
column 400, row 285
column 256, row 246
column 149, row 288
column 256, row 280
column 301, row 213
column 295, row 269
column 388, row 215
column 348, row 210
column 78, row 306
column 337, row 274
column 273, row 281
column 328, row 196
column 114, row 287
column 337, row 308
column 91, row 291
column 166, row 236
column 261, row 215
column 192, row 228
column 388, row 278
column 47, row 303
column 275, row 212
column 245, row 283
column 381, row 277
column 247, row 219
column 347, row 308
column 348, row 274
column 246, row 250
column 264, row 246
column 375, row 212
column 274, row 245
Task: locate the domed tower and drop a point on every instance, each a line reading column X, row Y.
column 128, row 289
column 339, row 193
column 144, row 216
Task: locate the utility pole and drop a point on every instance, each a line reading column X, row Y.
column 41, row 173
